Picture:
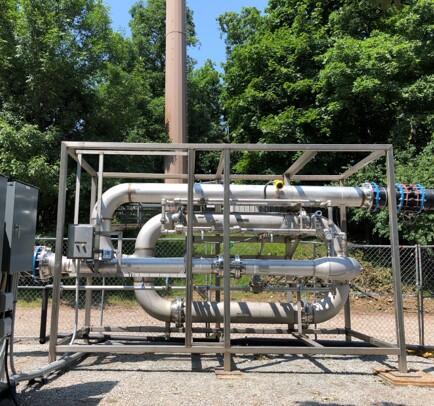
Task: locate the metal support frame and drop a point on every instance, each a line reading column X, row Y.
column 396, row 262
column 189, row 264
column 61, row 207
column 301, row 343
column 227, row 262
column 347, row 308
column 89, row 279
column 299, row 164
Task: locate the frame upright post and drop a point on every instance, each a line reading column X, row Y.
column 77, row 262
column 347, row 307
column 396, row 263
column 54, row 324
column 89, row 280
column 189, row 264
column 227, row 261
column 99, row 225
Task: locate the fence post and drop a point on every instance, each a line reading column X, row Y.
column 419, row 292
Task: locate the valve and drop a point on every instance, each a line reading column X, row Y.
column 278, row 184
column 257, row 285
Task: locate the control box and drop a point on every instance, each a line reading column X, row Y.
column 80, row 241
column 20, row 225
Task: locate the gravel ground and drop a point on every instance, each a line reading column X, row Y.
column 186, row 380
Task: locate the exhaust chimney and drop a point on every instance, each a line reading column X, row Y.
column 176, row 82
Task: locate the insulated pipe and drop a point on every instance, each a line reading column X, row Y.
column 241, row 312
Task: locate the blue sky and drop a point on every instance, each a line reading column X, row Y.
column 205, row 15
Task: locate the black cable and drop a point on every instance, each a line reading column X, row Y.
column 265, row 188
column 367, row 294
column 14, row 399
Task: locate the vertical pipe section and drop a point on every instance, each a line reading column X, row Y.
column 227, row 259
column 396, row 263
column 58, row 254
column 189, row 259
column 176, row 82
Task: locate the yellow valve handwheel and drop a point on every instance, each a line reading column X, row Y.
column 278, row 184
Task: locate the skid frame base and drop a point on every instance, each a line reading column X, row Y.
column 411, row 378
column 295, row 344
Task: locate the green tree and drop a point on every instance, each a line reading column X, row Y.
column 52, row 56
column 204, row 88
column 53, row 52
column 330, row 72
column 65, row 74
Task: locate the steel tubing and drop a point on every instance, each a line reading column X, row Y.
column 240, row 312
column 156, row 192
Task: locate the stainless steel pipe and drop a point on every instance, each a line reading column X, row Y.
column 327, row 268
column 241, row 312
column 306, row 195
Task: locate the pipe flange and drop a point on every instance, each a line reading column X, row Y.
column 307, row 314
column 178, row 311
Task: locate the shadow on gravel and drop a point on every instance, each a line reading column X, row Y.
column 310, row 403
column 89, row 393
column 254, row 364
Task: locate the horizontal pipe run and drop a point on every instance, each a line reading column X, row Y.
column 113, row 288
column 157, row 192
column 327, row 268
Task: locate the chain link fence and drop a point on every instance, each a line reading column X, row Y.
column 372, row 301
column 426, row 294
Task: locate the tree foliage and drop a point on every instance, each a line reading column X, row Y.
column 66, row 75
column 304, row 71
column 331, row 72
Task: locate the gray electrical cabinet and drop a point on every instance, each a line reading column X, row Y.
column 20, row 225
column 3, row 188
column 80, row 241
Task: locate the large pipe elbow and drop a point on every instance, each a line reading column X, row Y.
column 243, row 312
column 155, row 305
